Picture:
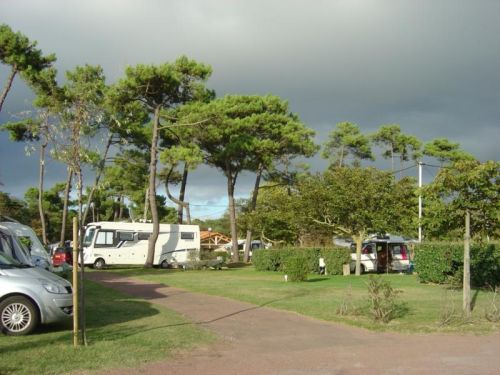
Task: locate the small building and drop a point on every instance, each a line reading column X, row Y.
column 210, row 240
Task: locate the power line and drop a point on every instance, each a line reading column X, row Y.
column 405, row 169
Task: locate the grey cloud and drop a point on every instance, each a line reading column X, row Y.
column 430, row 66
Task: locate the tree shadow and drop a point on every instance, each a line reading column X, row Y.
column 317, row 279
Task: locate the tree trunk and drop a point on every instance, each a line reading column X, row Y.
column 253, row 204
column 120, row 209
column 179, row 202
column 8, row 85
column 232, row 215
column 182, row 192
column 146, row 206
column 152, row 191
column 116, row 209
column 188, row 214
column 358, row 239
column 392, row 158
column 65, row 208
column 40, row 189
column 466, row 281
column 341, row 156
column 100, row 170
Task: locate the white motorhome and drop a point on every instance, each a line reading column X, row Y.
column 113, row 243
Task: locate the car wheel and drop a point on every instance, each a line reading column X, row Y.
column 164, row 264
column 363, row 269
column 18, row 316
column 99, row 264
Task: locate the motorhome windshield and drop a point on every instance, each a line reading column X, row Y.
column 89, row 236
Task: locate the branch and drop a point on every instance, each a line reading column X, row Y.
column 331, row 224
column 179, row 125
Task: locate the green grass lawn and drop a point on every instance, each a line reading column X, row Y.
column 121, row 331
column 321, row 296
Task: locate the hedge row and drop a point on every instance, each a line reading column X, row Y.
column 443, row 263
column 277, row 259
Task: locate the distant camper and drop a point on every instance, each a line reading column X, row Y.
column 112, row 243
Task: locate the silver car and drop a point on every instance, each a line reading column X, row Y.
column 29, row 296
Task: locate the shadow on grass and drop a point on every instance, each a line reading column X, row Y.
column 317, row 279
column 104, row 308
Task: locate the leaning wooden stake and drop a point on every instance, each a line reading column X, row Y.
column 466, row 287
column 75, row 282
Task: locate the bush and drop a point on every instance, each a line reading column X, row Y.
column 443, row 263
column 383, row 300
column 335, row 259
column 275, row 259
column 266, row 260
column 296, row 267
column 434, row 261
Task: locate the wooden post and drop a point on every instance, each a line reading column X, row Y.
column 75, row 281
column 466, row 286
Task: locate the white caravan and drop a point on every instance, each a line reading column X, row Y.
column 112, row 243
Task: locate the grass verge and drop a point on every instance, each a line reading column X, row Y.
column 122, row 332
column 322, row 296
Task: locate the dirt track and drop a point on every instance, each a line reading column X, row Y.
column 260, row 340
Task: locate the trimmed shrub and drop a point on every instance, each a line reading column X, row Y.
column 275, row 259
column 335, row 259
column 296, row 267
column 266, row 260
column 434, row 261
column 443, row 263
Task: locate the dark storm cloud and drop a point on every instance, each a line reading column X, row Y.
column 431, row 66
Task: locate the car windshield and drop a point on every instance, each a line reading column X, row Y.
column 8, row 262
column 11, row 247
column 89, row 236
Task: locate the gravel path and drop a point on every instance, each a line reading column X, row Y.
column 260, row 340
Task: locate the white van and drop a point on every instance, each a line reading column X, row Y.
column 112, row 243
column 389, row 253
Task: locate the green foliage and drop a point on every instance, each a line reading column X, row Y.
column 383, row 300
column 276, row 259
column 492, row 312
column 350, row 201
column 397, row 143
column 347, row 140
column 14, row 208
column 445, row 151
column 443, row 263
column 335, row 259
column 296, row 267
column 267, row 260
column 434, row 261
column 18, row 51
column 465, row 186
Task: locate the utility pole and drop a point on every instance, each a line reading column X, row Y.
column 419, row 202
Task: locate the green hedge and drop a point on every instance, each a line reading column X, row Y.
column 443, row 263
column 276, row 259
column 335, row 259
column 296, row 267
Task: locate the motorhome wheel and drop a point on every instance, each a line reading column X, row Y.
column 99, row 264
column 164, row 264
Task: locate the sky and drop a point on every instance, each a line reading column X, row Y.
column 431, row 66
